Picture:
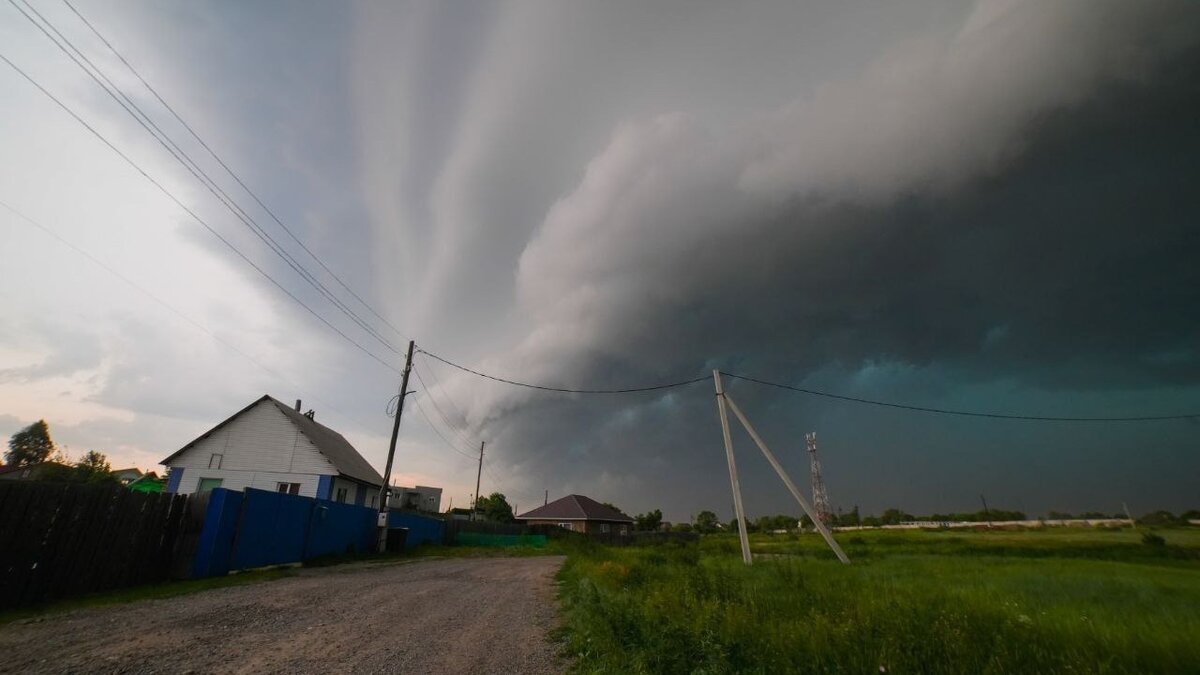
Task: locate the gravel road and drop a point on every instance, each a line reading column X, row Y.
column 482, row 615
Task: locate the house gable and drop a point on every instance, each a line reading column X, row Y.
column 258, row 447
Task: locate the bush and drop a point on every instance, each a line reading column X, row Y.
column 1152, row 539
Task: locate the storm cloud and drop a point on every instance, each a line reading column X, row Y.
column 986, row 207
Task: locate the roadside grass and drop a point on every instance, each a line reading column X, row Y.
column 168, row 589
column 927, row 602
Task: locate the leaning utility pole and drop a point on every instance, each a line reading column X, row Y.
column 733, row 475
column 387, row 471
column 478, row 474
column 723, row 400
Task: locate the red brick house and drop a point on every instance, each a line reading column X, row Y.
column 580, row 514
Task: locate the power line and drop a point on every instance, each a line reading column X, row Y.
column 962, row 413
column 437, row 383
column 813, row 392
column 148, row 124
column 228, row 170
column 438, row 409
column 629, row 390
column 161, row 302
column 434, row 428
column 192, row 213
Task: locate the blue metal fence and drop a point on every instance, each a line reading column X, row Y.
column 421, row 529
column 256, row 528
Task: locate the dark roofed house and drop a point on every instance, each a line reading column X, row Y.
column 269, row 445
column 580, row 514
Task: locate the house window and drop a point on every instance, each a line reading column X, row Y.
column 207, row 484
column 603, row 528
column 288, row 488
column 341, row 495
column 565, row 526
column 214, row 462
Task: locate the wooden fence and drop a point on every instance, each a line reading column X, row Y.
column 59, row 540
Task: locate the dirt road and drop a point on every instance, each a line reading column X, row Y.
column 489, row 615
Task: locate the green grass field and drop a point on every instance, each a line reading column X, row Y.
column 1066, row 600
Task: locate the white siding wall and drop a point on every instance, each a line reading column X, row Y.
column 259, row 449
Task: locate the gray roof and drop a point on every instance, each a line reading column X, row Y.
column 329, row 443
column 576, row 507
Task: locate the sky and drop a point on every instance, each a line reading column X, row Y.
column 983, row 207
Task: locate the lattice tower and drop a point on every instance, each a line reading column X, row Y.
column 820, row 497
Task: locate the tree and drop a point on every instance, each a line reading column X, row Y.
column 31, row 445
column 648, row 522
column 894, row 517
column 851, row 519
column 495, row 507
column 93, row 467
column 706, row 521
column 1159, row 518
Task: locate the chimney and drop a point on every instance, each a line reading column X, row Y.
column 297, row 405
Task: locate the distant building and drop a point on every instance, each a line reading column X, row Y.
column 127, row 476
column 272, row 446
column 28, row 471
column 419, row 498
column 580, row 514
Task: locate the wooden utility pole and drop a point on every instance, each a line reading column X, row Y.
column 787, row 480
column 387, row 471
column 986, row 514
column 478, row 474
column 733, row 476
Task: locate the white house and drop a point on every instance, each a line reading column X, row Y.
column 271, row 446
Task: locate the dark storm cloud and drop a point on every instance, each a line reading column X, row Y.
column 1000, row 208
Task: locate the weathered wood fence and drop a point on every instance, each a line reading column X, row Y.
column 59, row 540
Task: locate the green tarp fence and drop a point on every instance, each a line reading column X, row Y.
column 487, row 539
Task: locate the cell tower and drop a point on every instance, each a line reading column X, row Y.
column 820, row 497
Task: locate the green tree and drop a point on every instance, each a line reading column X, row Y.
column 894, row 517
column 1159, row 518
column 31, row 445
column 648, row 522
column 706, row 521
column 93, row 467
column 495, row 507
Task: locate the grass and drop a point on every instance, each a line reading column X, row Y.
column 912, row 601
column 168, row 589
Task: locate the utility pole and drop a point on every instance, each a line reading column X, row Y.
column 478, row 474
column 743, row 538
column 986, row 515
column 387, row 471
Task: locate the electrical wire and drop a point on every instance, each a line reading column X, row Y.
column 192, row 213
column 148, row 124
column 824, row 394
column 432, row 372
column 164, row 304
column 628, row 390
column 228, row 170
column 434, row 428
column 961, row 413
column 438, row 409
